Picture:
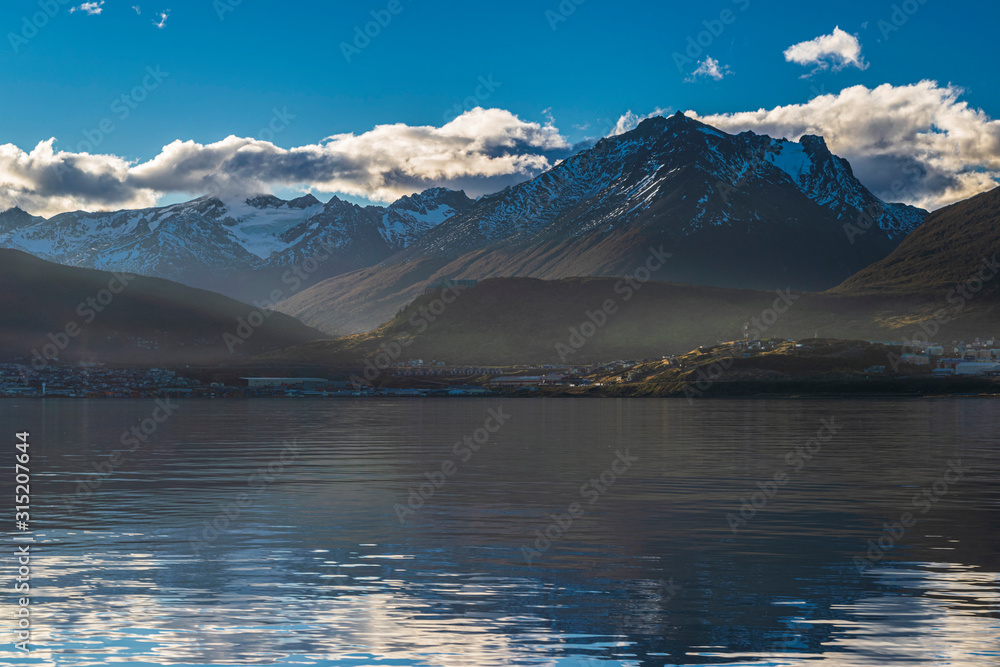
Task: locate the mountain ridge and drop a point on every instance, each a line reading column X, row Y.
column 733, row 210
column 237, row 247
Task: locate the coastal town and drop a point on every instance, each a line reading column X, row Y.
column 746, row 359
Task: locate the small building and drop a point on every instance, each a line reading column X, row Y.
column 976, row 368
column 398, row 391
column 468, row 391
column 915, row 359
column 253, row 382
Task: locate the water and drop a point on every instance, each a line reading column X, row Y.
column 310, row 563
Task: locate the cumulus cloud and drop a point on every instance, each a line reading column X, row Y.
column 481, row 151
column 709, row 67
column 917, row 143
column 837, row 50
column 92, row 8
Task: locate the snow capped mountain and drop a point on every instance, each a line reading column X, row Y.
column 740, row 210
column 701, row 174
column 409, row 218
column 206, row 242
column 829, row 181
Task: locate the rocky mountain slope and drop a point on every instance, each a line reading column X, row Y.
column 740, row 210
column 241, row 247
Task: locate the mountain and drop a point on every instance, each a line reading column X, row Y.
column 241, row 247
column 76, row 314
column 739, row 210
column 949, row 249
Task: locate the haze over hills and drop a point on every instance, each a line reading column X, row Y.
column 941, row 284
column 238, row 247
column 73, row 314
column 732, row 217
column 531, row 321
column 740, row 210
column 732, row 210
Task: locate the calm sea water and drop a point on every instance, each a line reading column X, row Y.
column 298, row 532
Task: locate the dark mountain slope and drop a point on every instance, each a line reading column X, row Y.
column 149, row 321
column 950, row 248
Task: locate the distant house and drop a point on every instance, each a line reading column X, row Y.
column 529, row 380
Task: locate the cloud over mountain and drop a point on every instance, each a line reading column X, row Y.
column 482, row 150
column 917, row 143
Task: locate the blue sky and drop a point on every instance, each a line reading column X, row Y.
column 578, row 71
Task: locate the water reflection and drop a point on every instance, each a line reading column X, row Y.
column 316, row 567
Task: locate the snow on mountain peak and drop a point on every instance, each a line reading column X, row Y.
column 791, row 158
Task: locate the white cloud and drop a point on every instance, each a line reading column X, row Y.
column 92, row 8
column 921, row 138
column 628, row 121
column 163, row 18
column 917, row 143
column 137, row 9
column 709, row 67
column 838, row 50
column 482, row 151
